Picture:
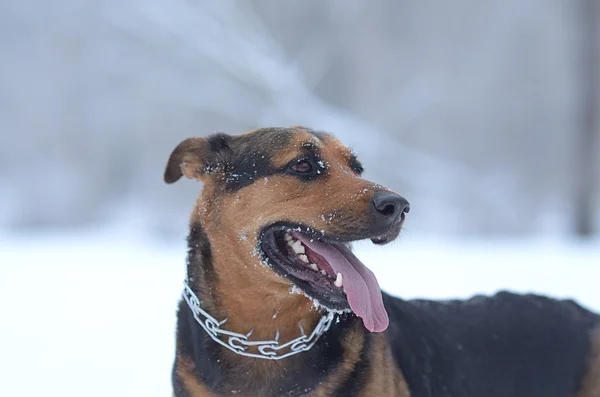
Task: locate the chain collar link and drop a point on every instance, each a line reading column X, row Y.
column 239, row 343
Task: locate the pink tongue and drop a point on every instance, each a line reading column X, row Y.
column 359, row 283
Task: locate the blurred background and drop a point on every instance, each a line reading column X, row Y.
column 485, row 115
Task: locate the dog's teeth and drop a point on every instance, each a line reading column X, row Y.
column 288, row 237
column 298, row 247
column 303, row 258
column 314, row 267
column 323, row 272
column 338, row 280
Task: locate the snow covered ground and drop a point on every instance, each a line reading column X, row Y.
column 93, row 315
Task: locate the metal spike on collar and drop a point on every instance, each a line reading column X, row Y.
column 239, row 343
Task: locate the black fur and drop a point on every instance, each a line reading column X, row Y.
column 178, row 388
column 199, row 259
column 356, row 165
column 219, row 142
column 360, row 374
column 244, row 159
column 250, row 159
column 303, row 372
column 506, row 345
column 192, row 341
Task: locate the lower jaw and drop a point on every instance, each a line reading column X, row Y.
column 321, row 299
column 292, row 252
column 318, row 288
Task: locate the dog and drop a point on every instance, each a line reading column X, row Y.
column 276, row 304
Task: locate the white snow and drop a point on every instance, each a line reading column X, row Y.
column 89, row 315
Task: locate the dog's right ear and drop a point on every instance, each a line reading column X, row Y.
column 197, row 157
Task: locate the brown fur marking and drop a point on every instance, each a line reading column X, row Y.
column 353, row 345
column 282, row 157
column 260, row 293
column 185, row 370
column 385, row 378
column 335, row 203
column 591, row 383
column 187, row 159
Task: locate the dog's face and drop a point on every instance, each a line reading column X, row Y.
column 281, row 206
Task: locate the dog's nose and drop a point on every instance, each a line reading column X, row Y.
column 389, row 206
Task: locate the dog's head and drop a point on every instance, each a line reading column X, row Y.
column 280, row 207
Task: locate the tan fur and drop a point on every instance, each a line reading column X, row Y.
column 591, row 383
column 385, row 378
column 233, row 222
column 353, row 345
column 185, row 370
column 250, row 294
column 186, row 159
column 282, row 157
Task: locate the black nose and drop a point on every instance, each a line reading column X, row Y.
column 389, row 206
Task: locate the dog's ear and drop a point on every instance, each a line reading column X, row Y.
column 197, row 157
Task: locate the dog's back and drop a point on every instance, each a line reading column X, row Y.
column 505, row 345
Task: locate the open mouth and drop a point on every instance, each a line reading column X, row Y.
column 326, row 270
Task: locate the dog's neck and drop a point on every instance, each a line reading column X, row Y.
column 247, row 307
column 229, row 289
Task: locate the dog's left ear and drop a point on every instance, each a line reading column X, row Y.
column 198, row 157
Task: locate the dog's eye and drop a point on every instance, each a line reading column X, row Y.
column 358, row 170
column 356, row 166
column 303, row 166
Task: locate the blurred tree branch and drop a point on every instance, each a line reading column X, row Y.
column 587, row 164
column 235, row 41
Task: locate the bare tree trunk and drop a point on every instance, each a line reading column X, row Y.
column 589, row 65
